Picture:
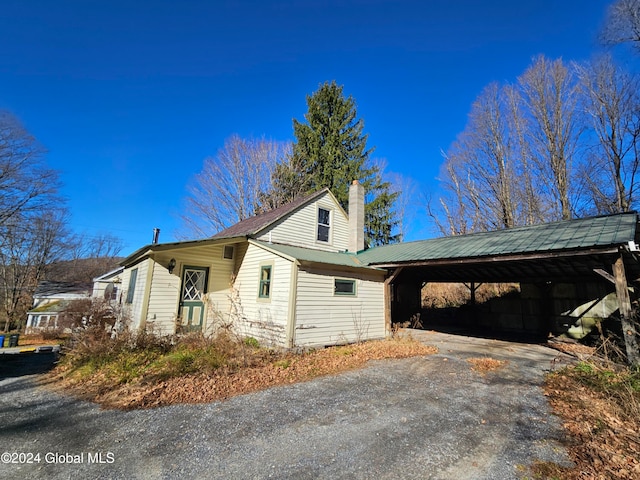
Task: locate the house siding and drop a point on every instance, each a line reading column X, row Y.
column 263, row 319
column 300, row 229
column 163, row 301
column 134, row 309
column 326, row 319
column 164, row 296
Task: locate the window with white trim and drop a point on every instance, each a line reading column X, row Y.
column 264, row 290
column 132, row 285
column 344, row 286
column 324, row 225
column 228, row 251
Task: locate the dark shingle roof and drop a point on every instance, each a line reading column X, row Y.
column 253, row 225
column 592, row 232
column 47, row 288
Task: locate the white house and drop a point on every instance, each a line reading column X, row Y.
column 288, row 277
column 299, row 276
column 49, row 299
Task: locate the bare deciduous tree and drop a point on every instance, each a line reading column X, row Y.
column 531, row 195
column 229, row 187
column 622, row 24
column 32, row 218
column 458, row 210
column 485, row 150
column 550, row 94
column 612, row 104
column 288, row 182
column 26, row 183
column 85, row 258
column 513, row 163
column 29, row 245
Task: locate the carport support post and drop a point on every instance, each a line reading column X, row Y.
column 388, row 294
column 624, row 305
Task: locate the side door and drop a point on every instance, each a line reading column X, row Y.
column 192, row 308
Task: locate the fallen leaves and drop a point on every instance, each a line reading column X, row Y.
column 483, row 365
column 604, row 441
column 224, row 383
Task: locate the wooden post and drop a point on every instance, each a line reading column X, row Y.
column 624, row 305
column 388, row 293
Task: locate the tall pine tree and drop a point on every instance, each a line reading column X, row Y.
column 331, row 151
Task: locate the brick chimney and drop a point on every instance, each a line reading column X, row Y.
column 356, row 217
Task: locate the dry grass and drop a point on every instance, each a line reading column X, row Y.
column 444, row 295
column 200, row 370
column 43, row 338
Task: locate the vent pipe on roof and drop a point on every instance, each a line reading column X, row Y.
column 156, row 234
column 356, row 217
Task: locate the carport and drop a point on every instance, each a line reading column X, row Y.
column 588, row 250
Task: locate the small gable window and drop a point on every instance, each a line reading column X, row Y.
column 324, row 225
column 344, row 287
column 265, row 281
column 228, row 251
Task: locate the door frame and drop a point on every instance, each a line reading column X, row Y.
column 192, row 306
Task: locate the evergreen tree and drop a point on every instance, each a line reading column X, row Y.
column 331, row 151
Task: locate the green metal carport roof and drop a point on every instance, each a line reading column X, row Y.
column 566, row 250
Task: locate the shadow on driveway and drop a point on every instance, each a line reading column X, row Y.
column 20, row 364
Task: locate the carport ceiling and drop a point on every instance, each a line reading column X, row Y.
column 567, row 251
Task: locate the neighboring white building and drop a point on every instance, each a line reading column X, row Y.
column 109, row 286
column 288, row 277
column 49, row 299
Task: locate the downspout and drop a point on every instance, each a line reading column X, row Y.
column 145, row 298
column 293, row 295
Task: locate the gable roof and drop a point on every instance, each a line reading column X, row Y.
column 253, row 225
column 584, row 233
column 245, row 228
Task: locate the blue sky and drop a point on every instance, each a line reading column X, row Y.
column 130, row 97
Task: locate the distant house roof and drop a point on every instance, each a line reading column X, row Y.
column 50, row 307
column 583, row 233
column 62, row 289
column 253, row 225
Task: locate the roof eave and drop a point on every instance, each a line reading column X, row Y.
column 163, row 247
column 606, row 250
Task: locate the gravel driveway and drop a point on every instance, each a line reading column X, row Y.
column 417, row 418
